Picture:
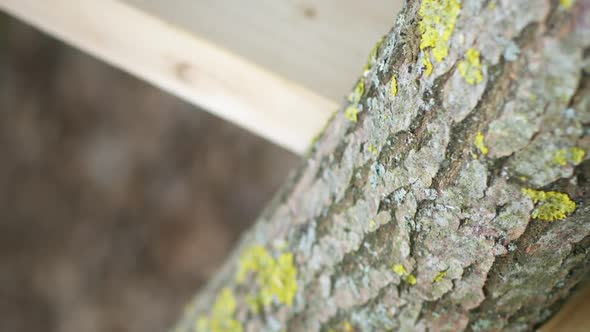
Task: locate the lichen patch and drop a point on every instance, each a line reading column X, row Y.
column 551, row 205
column 276, row 278
column 567, row 4
column 440, row 276
column 351, row 113
column 573, row 155
column 479, row 143
column 437, row 22
column 470, row 67
column 393, row 86
column 221, row 318
column 399, row 269
column 427, row 64
column 358, row 92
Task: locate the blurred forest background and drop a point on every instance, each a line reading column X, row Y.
column 117, row 201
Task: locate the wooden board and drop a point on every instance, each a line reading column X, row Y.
column 277, row 68
column 185, row 65
column 320, row 44
column 574, row 316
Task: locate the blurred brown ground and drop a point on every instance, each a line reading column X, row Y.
column 117, row 201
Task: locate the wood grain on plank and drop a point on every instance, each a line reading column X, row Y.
column 322, row 45
column 185, row 65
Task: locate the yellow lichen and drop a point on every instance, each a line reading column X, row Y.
column 202, row 324
column 479, row 143
column 573, row 156
column 427, row 64
column 255, row 258
column 437, row 22
column 561, row 157
column 358, row 92
column 373, row 149
column 470, row 67
column 276, row 278
column 399, row 269
column 567, row 4
column 411, row 279
column 253, row 304
column 221, row 318
column 354, row 98
column 225, row 304
column 551, row 205
column 283, row 280
column 372, row 225
column 393, row 86
column 351, row 113
column 440, row 276
column 373, row 56
column 347, row 327
column 576, row 155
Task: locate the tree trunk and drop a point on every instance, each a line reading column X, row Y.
column 450, row 193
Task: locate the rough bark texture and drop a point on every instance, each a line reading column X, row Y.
column 413, row 211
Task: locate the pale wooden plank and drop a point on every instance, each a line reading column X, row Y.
column 321, row 44
column 573, row 317
column 185, row 65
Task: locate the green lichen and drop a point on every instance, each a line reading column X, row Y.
column 437, row 22
column 567, row 4
column 470, row 67
column 440, row 276
column 479, row 143
column 393, row 86
column 276, row 278
column 551, row 205
column 221, row 318
column 574, row 156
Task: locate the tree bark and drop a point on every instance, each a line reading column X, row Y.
column 450, row 193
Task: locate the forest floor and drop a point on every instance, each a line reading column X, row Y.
column 117, row 201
